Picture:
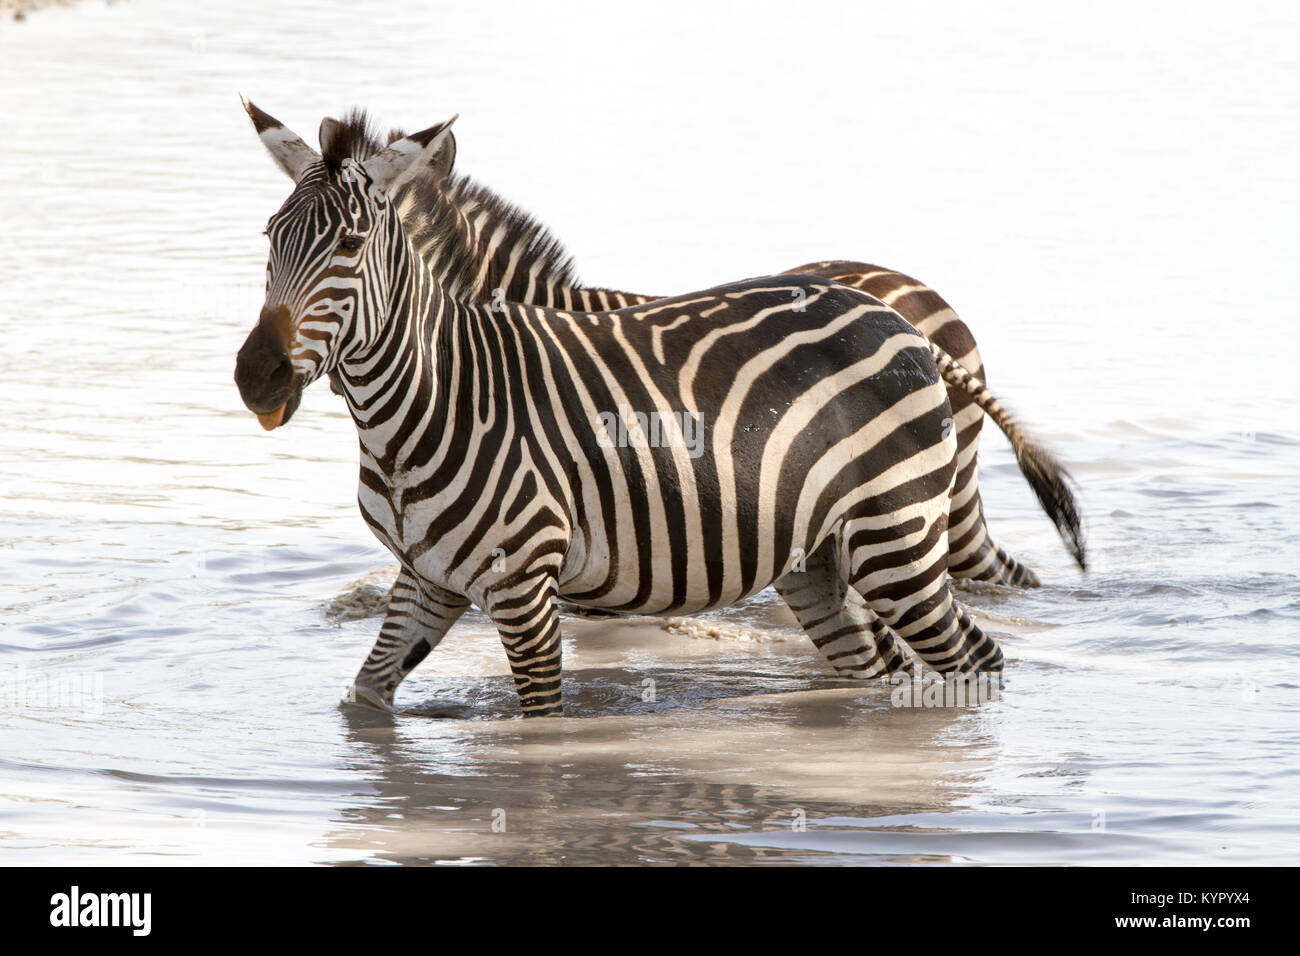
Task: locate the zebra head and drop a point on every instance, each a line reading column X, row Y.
column 328, row 285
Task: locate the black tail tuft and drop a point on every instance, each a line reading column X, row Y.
column 1051, row 483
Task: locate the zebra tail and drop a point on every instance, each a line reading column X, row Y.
column 1047, row 476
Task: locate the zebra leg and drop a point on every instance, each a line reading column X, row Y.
column 841, row 626
column 908, row 588
column 972, row 553
column 976, row 557
column 938, row 629
column 529, row 623
column 418, row 618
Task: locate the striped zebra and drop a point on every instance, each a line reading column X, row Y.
column 489, row 470
column 483, row 248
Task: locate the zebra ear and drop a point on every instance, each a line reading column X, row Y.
column 329, row 128
column 444, row 157
column 287, row 148
column 433, row 148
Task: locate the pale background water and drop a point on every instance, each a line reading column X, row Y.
column 1108, row 195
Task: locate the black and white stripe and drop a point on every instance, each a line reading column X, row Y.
column 487, row 468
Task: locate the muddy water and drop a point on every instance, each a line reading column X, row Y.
column 183, row 598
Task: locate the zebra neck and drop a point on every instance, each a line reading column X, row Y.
column 442, row 237
column 461, row 263
column 403, row 377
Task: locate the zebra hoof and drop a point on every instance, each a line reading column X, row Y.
column 371, row 697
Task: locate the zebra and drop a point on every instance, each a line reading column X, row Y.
column 486, row 471
column 482, row 247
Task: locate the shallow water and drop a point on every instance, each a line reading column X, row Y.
column 1114, row 212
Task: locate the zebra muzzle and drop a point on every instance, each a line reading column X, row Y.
column 264, row 372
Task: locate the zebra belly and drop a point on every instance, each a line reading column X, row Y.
column 660, row 598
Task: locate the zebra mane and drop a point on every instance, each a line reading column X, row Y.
column 515, row 250
column 473, row 240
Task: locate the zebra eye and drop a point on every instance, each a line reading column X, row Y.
column 350, row 243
